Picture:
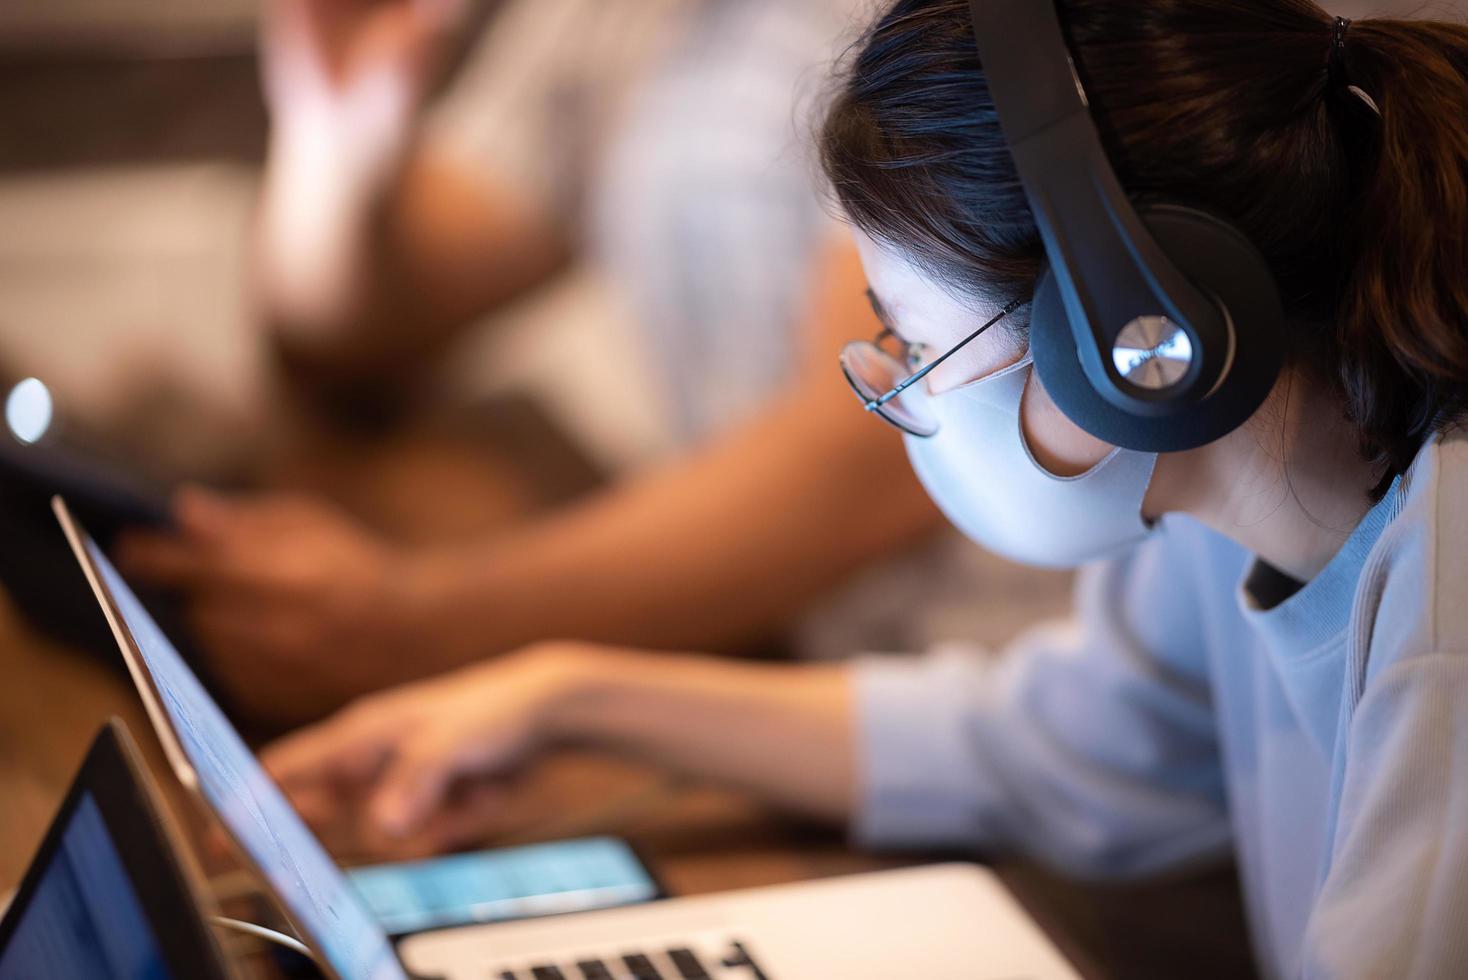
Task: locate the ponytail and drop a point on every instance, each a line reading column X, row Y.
column 1402, row 323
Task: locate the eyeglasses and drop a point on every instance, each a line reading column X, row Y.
column 880, row 379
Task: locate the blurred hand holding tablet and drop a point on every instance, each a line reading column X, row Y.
column 35, row 463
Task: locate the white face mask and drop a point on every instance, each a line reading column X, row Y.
column 981, row 474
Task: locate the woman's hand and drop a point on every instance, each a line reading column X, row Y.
column 298, row 608
column 424, row 762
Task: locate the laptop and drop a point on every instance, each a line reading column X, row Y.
column 107, row 894
column 937, row 922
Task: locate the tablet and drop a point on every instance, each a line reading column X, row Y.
column 35, row 565
column 108, row 895
column 108, row 498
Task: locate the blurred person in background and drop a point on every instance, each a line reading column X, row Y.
column 656, row 138
column 1269, row 642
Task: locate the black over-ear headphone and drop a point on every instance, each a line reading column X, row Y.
column 1155, row 326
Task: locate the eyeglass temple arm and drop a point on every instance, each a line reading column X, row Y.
column 913, row 379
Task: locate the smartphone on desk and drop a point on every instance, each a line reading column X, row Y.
column 504, row 883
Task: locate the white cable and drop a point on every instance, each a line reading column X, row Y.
column 260, row 932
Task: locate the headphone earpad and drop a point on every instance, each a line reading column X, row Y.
column 1222, row 262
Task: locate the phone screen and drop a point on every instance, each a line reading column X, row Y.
column 506, row 883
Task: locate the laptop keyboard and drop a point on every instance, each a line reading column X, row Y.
column 730, row 960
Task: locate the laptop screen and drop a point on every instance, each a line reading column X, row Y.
column 316, row 895
column 84, row 919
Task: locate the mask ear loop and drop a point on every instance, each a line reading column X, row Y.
column 1026, row 360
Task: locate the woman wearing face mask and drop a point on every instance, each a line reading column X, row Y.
column 1270, row 655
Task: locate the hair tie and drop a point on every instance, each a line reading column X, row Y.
column 1336, row 66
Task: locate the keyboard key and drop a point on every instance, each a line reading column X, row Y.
column 508, row 975
column 547, row 973
column 689, row 968
column 641, row 967
column 739, row 956
column 594, row 970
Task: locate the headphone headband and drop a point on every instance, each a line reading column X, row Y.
column 1153, row 343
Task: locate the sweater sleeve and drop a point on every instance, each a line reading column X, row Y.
column 1089, row 744
column 1395, row 897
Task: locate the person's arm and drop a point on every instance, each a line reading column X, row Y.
column 398, row 764
column 1089, row 744
column 1396, row 885
column 710, row 551
column 388, row 280
column 717, row 548
column 372, row 249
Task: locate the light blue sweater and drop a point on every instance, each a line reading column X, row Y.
column 1324, row 740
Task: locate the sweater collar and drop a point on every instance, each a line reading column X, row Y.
column 1321, row 609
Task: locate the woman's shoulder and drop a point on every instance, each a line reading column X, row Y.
column 1413, row 596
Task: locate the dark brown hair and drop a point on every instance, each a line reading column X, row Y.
column 1235, row 106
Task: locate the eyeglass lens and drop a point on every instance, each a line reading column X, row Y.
column 872, row 373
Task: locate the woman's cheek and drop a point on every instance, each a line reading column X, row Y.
column 1058, row 444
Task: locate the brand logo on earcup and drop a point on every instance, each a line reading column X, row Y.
column 1152, row 352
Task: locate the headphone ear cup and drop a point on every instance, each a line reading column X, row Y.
column 1224, row 263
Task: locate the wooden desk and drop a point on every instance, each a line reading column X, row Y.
column 697, row 839
column 52, row 702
